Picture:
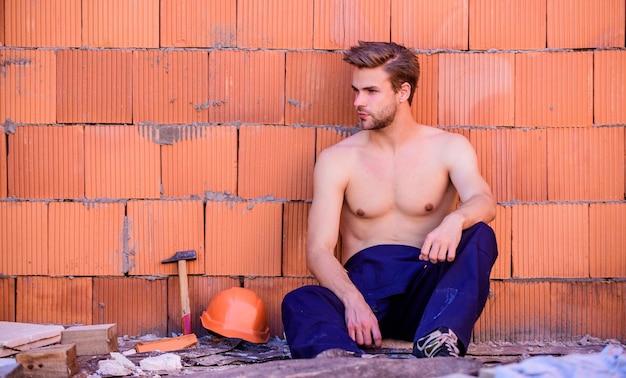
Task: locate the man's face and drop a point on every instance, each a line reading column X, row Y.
column 375, row 101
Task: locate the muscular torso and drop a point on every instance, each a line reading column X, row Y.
column 394, row 197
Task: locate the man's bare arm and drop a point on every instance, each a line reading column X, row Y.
column 323, row 229
column 477, row 204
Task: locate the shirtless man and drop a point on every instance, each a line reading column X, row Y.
column 415, row 266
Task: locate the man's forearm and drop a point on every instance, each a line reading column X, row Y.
column 331, row 274
column 480, row 208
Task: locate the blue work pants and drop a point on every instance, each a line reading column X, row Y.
column 410, row 297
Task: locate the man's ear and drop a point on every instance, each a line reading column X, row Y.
column 405, row 91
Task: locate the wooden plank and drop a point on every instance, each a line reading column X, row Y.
column 5, row 352
column 13, row 334
column 92, row 339
column 531, row 349
column 16, row 337
column 52, row 361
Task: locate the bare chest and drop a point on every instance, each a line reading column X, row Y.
column 413, row 185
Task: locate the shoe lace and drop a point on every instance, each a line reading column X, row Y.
column 438, row 340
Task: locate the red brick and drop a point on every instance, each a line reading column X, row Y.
column 515, row 312
column 198, row 159
column 272, row 290
column 275, row 24
column 550, row 240
column 137, row 305
column 24, row 238
column 47, row 162
column 27, row 86
column 476, row 89
column 529, row 165
column 548, row 311
column 243, row 238
column 121, row 162
column 120, row 23
column 94, row 86
column 85, row 239
column 318, row 89
column 3, row 165
column 201, row 290
column 554, row 89
column 339, row 25
column 425, row 100
column 585, row 24
column 161, row 228
column 430, row 25
column 198, row 23
column 295, row 217
column 607, row 240
column 586, row 164
column 493, row 150
column 170, row 86
column 48, row 23
column 247, row 86
column 502, row 226
column 600, row 309
column 609, row 87
column 507, row 25
column 7, row 298
column 276, row 161
column 2, row 13
column 62, row 300
column 514, row 162
column 587, row 308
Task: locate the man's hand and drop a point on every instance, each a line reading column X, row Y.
column 441, row 243
column 362, row 324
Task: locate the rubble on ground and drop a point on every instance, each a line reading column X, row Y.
column 96, row 355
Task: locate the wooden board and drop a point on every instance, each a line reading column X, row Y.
column 52, row 361
column 91, row 339
column 5, row 352
column 15, row 337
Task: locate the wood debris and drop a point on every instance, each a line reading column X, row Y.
column 91, row 339
column 18, row 337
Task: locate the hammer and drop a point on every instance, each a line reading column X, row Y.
column 181, row 257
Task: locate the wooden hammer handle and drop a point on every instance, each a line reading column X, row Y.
column 184, row 297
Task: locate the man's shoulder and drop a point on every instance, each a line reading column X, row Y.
column 434, row 131
column 346, row 145
column 447, row 138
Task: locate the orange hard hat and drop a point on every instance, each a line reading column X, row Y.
column 237, row 313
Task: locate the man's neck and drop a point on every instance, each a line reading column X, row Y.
column 400, row 131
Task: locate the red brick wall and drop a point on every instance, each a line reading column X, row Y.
column 136, row 129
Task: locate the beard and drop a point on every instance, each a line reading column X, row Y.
column 380, row 120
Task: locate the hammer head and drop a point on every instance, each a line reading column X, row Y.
column 181, row 255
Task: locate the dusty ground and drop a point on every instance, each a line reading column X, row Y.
column 223, row 357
